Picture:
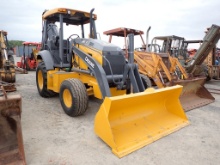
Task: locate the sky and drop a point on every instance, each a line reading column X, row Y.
column 22, row 19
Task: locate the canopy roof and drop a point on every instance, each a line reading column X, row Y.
column 70, row 16
column 120, row 31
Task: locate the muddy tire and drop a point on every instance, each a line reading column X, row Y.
column 41, row 81
column 73, row 97
column 146, row 81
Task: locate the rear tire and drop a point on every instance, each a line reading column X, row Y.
column 41, row 81
column 73, row 97
column 146, row 81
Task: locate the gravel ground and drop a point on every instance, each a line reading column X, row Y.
column 51, row 137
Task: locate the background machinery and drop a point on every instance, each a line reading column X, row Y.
column 209, row 43
column 213, row 63
column 130, row 117
column 7, row 69
column 202, row 63
column 165, row 70
column 28, row 61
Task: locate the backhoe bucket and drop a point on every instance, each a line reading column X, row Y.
column 129, row 122
column 11, row 142
column 194, row 94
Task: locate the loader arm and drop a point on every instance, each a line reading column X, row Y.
column 7, row 69
column 3, row 46
column 148, row 69
column 175, row 63
column 97, row 71
column 152, row 65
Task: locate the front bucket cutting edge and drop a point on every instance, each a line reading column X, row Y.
column 194, row 94
column 127, row 123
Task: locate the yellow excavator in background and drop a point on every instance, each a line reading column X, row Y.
column 130, row 116
column 7, row 69
column 165, row 70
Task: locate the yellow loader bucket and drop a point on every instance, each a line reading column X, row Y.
column 194, row 93
column 129, row 122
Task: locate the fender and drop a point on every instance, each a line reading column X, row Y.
column 46, row 56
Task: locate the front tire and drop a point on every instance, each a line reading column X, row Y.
column 73, row 97
column 41, row 81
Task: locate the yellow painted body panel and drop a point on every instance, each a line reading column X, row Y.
column 127, row 123
column 56, row 77
column 80, row 63
column 96, row 54
column 115, row 92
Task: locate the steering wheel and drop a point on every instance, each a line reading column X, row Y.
column 77, row 36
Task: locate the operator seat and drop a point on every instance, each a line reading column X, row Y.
column 53, row 35
column 52, row 42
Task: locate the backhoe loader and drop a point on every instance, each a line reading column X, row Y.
column 11, row 140
column 129, row 117
column 7, row 69
column 165, row 70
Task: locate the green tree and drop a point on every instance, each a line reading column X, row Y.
column 13, row 43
